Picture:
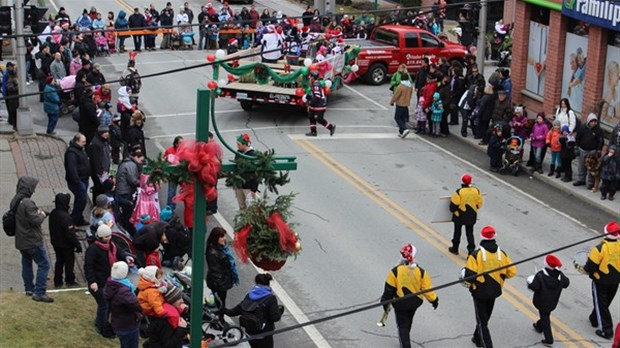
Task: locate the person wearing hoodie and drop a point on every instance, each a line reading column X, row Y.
column 405, row 279
column 486, row 288
column 603, row 267
column 121, row 23
column 64, row 241
column 29, row 239
column 77, row 172
column 588, row 139
column 547, row 285
column 402, row 99
column 151, row 290
column 125, row 310
column 262, row 302
column 127, row 183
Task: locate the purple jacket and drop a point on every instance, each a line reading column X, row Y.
column 125, row 310
column 539, row 134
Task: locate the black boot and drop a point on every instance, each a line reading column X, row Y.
column 551, row 170
column 558, row 173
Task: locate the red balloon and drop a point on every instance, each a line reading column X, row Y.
column 231, row 77
column 210, row 57
column 313, row 67
column 212, row 85
column 328, row 36
column 327, row 90
column 299, row 92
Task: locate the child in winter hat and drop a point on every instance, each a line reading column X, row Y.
column 119, row 270
column 174, row 306
column 151, row 291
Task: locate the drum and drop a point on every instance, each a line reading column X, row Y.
column 579, row 261
column 462, row 276
column 529, row 280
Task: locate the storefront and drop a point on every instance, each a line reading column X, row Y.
column 570, row 50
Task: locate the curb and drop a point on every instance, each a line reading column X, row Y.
column 558, row 185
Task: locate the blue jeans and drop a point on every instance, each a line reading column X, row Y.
column 101, row 318
column 538, row 152
column 38, row 255
column 80, row 192
column 52, row 120
column 137, row 42
column 556, row 159
column 172, row 191
column 128, row 338
column 203, row 40
column 401, row 114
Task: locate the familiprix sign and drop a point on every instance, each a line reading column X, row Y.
column 601, row 13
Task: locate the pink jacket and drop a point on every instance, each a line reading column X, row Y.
column 539, row 134
column 75, row 66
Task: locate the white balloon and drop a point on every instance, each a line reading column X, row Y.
column 355, row 67
column 328, row 83
column 222, row 82
column 219, row 54
column 307, row 62
column 304, row 99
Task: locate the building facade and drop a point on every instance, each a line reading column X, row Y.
column 571, row 50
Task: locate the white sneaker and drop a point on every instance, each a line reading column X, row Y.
column 405, row 133
column 399, row 135
column 28, row 83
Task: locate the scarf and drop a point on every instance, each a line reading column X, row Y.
column 127, row 283
column 110, row 248
column 233, row 266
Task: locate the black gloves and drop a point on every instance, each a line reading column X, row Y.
column 435, row 303
column 78, row 249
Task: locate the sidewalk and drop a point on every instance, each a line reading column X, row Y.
column 42, row 157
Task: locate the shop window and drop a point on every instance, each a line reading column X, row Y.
column 610, row 106
column 577, row 27
column 540, row 14
column 537, row 50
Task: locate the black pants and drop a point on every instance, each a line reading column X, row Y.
column 65, row 260
column 603, row 295
column 483, row 309
column 443, row 125
column 317, row 117
column 266, row 342
column 125, row 206
column 97, row 188
column 482, row 130
column 454, row 114
column 11, row 108
column 404, row 321
column 544, row 325
column 609, row 187
column 567, row 167
column 137, row 42
column 466, row 120
column 469, row 233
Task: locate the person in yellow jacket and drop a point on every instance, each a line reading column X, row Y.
column 464, row 205
column 486, row 288
column 603, row 266
column 404, row 279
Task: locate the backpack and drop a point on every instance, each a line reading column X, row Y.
column 253, row 318
column 8, row 220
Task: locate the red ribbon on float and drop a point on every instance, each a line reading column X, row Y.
column 240, row 242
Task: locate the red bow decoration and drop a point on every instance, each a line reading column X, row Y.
column 203, row 162
column 240, row 242
column 287, row 237
column 132, row 55
column 235, row 63
column 287, row 68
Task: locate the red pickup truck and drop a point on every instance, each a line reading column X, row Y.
column 392, row 45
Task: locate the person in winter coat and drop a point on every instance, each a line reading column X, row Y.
column 88, row 116
column 64, row 241
column 553, row 142
column 567, row 153
column 538, row 141
column 10, row 89
column 458, row 86
column 94, row 76
column 547, row 285
column 396, row 78
column 151, row 290
column 250, row 186
column 77, row 172
column 168, row 331
column 29, row 239
column 589, row 139
column 99, row 154
column 486, row 288
column 121, row 23
column 485, row 111
column 170, row 156
column 436, row 114
column 98, row 261
column 137, row 20
column 402, row 99
column 603, row 266
column 147, row 242
column 221, row 268
column 566, row 115
column 260, row 298
column 127, row 183
column 502, row 110
column 125, row 311
column 179, row 239
column 135, row 135
column 404, row 279
column 51, row 104
column 610, row 173
column 317, row 105
column 464, row 205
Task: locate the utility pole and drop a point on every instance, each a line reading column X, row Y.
column 482, row 29
column 24, row 119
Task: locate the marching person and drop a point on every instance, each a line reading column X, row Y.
column 403, row 280
column 547, row 285
column 250, row 186
column 317, row 105
column 603, row 266
column 464, row 205
column 486, row 288
column 402, row 99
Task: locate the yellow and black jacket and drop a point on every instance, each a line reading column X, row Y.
column 407, row 279
column 464, row 205
column 603, row 263
column 489, row 256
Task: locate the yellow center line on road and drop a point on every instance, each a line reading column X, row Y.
column 125, row 5
column 511, row 294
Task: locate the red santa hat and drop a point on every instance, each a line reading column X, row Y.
column 487, row 233
column 305, row 29
column 552, row 261
column 612, row 230
column 279, row 30
column 408, row 252
column 232, row 41
column 466, row 179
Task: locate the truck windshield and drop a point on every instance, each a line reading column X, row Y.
column 385, row 36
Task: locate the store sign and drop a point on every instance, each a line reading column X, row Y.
column 604, row 14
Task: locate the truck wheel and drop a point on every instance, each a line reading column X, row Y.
column 246, row 105
column 377, row 74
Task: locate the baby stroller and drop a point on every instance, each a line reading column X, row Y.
column 511, row 159
column 187, row 37
column 102, row 45
column 67, row 97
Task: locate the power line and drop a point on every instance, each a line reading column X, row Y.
column 388, row 302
